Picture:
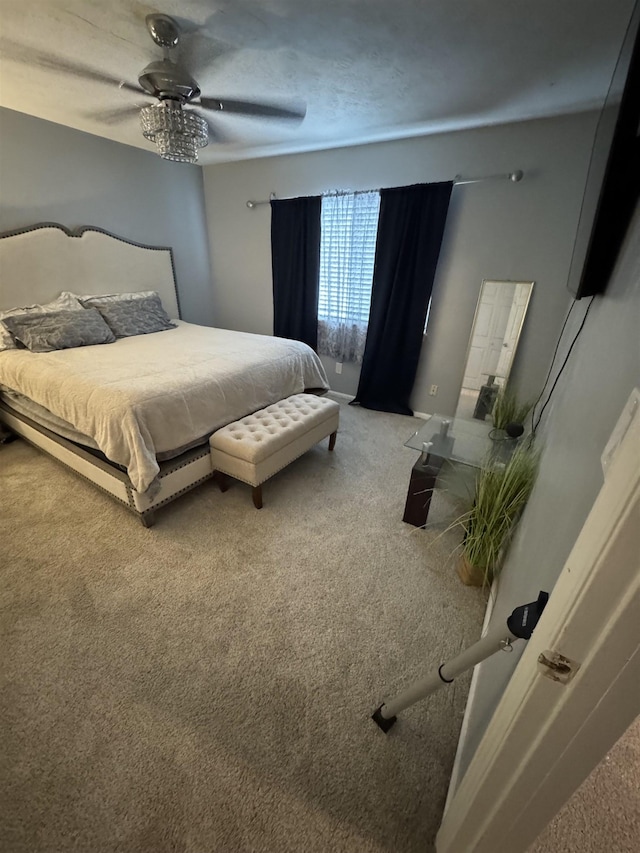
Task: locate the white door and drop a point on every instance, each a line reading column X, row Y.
column 512, row 333
column 546, row 736
column 487, row 337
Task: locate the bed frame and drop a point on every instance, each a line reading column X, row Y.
column 40, row 261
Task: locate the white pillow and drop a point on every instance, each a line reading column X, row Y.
column 65, row 302
column 89, row 299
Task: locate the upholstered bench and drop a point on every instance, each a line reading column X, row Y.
column 258, row 446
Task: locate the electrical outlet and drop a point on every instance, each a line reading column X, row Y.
column 433, row 391
column 338, row 367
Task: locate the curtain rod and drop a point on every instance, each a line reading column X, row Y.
column 457, row 181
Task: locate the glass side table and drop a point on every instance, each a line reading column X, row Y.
column 443, row 438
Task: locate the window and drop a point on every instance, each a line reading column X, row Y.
column 349, row 225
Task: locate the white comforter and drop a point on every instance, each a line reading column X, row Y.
column 150, row 394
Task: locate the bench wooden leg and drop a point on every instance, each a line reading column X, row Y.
column 223, row 481
column 257, row 497
column 332, row 440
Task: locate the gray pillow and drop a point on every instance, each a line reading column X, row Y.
column 59, row 330
column 65, row 302
column 135, row 316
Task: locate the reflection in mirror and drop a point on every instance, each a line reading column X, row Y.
column 500, row 314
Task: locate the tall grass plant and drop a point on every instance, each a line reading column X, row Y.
column 501, row 494
column 507, row 409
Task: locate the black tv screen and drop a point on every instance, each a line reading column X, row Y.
column 613, row 181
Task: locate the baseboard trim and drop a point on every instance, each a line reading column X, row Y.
column 347, row 397
column 464, row 728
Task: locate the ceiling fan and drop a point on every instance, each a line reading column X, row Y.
column 177, row 132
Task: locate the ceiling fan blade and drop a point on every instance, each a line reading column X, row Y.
column 199, row 51
column 116, row 115
column 254, row 109
column 130, row 87
column 216, row 134
column 35, row 57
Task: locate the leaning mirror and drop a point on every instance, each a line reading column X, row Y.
column 498, row 321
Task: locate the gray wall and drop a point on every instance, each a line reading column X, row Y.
column 53, row 173
column 592, row 391
column 496, row 229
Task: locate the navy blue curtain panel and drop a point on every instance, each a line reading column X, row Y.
column 295, row 263
column 410, row 230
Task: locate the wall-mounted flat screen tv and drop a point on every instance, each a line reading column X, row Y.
column 613, row 182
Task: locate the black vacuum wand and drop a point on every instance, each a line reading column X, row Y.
column 520, row 626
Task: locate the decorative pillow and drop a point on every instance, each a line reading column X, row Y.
column 60, row 330
column 65, row 302
column 90, row 301
column 135, row 316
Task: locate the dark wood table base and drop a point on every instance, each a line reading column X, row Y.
column 420, row 491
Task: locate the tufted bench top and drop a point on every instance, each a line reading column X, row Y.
column 263, row 433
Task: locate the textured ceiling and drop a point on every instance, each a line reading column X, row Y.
column 367, row 69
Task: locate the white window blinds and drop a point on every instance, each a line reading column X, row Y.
column 349, row 224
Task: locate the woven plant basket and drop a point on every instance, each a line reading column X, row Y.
column 470, row 575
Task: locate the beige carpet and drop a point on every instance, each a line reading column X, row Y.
column 206, row 685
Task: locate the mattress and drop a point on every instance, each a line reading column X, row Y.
column 44, row 418
column 146, row 396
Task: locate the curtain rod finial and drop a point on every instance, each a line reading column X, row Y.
column 516, row 176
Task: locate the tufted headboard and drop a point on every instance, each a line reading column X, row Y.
column 40, row 261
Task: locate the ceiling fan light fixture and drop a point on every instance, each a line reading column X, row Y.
column 177, row 133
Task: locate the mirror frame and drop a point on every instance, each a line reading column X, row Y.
column 473, row 325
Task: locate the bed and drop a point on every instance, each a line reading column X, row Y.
column 134, row 415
